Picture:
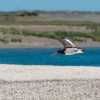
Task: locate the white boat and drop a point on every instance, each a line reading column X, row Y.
column 71, row 49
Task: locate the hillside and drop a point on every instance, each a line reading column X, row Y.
column 21, row 26
column 43, row 17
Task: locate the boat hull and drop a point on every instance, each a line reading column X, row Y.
column 73, row 51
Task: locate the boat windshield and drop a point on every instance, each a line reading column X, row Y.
column 67, row 41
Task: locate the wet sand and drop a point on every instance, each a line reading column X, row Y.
column 20, row 82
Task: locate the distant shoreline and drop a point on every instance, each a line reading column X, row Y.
column 41, row 42
column 19, row 29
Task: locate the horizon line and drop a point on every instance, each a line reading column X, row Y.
column 49, row 10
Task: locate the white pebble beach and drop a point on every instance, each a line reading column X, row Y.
column 41, row 82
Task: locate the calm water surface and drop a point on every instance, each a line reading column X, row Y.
column 46, row 56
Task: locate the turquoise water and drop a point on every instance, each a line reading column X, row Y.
column 44, row 56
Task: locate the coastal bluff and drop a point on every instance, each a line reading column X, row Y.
column 21, row 82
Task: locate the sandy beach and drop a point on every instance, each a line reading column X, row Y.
column 43, row 72
column 23, row 82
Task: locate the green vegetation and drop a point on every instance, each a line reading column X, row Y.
column 9, row 35
column 76, row 36
column 49, row 18
column 16, row 40
column 52, row 18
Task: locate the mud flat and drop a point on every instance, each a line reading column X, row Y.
column 20, row 82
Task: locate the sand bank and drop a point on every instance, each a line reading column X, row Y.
column 43, row 72
column 41, row 42
column 20, row 82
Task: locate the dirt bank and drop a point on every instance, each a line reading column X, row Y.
column 20, row 41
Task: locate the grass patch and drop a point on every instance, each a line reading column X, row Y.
column 76, row 36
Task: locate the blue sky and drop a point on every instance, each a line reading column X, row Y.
column 84, row 5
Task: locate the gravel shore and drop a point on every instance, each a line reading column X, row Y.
column 20, row 82
column 73, row 89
